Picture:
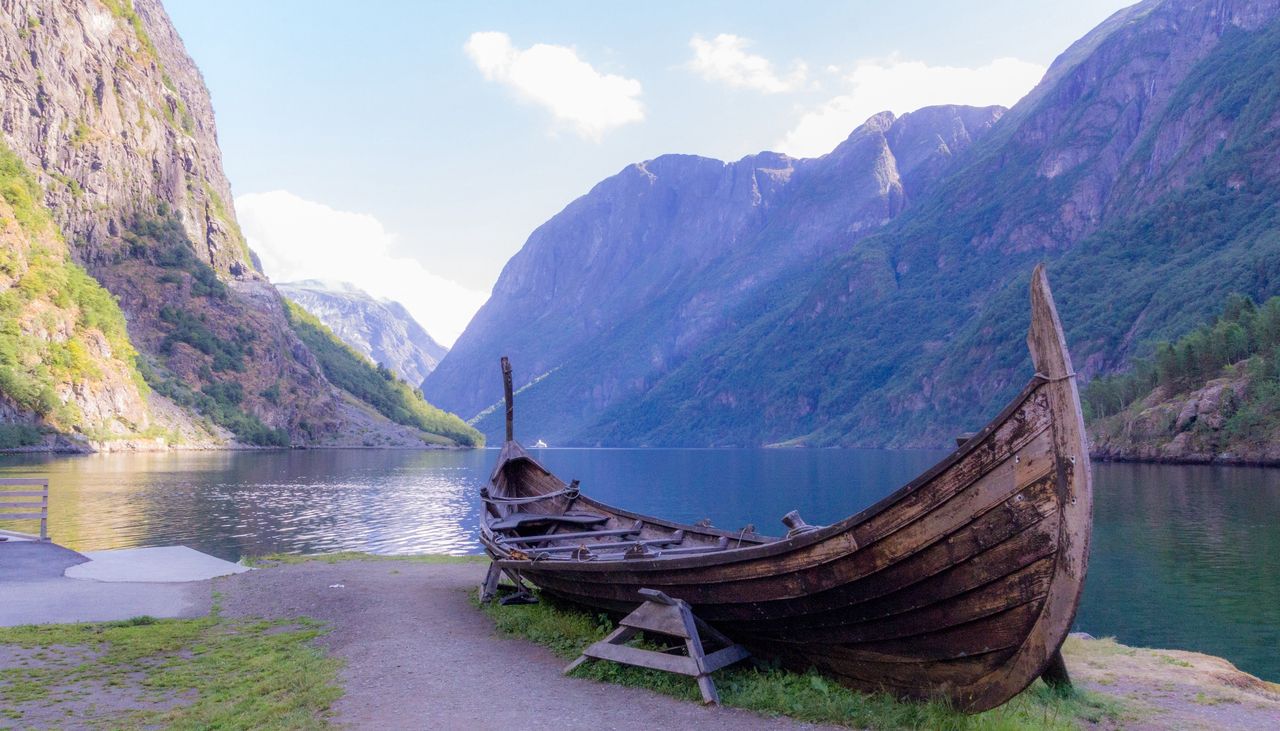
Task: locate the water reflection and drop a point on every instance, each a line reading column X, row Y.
column 236, row 504
column 1187, row 557
column 1184, row 557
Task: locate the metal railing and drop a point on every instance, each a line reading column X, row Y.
column 25, row 504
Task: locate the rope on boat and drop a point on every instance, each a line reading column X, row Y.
column 571, row 491
column 1055, row 379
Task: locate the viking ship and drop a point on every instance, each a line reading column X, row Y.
column 961, row 585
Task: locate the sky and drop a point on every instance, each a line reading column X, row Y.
column 410, row 148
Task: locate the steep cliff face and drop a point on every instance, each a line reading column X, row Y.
column 101, row 99
column 619, row 288
column 1143, row 169
column 382, row 330
column 101, row 102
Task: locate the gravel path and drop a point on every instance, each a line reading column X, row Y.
column 418, row 655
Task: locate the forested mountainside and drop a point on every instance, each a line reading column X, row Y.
column 110, row 121
column 1211, row 396
column 382, row 330
column 1142, row 169
column 631, row 280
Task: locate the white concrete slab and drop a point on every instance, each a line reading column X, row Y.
column 55, row 601
column 152, row 565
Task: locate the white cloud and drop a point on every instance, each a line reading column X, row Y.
column 300, row 239
column 725, row 59
column 903, row 86
column 554, row 77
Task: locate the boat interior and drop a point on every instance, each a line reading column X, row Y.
column 531, row 514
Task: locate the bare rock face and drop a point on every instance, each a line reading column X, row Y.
column 383, row 330
column 622, row 285
column 101, row 101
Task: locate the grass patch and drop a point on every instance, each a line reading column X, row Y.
column 1170, row 660
column 272, row 559
column 211, row 672
column 810, row 697
column 123, row 9
column 1204, row 699
column 1107, row 647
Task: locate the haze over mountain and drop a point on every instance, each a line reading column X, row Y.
column 686, row 302
column 383, row 330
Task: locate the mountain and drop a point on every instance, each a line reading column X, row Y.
column 380, row 329
column 1142, row 169
column 112, row 139
column 625, row 284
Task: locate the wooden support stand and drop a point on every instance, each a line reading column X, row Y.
column 662, row 615
column 489, row 589
column 1056, row 672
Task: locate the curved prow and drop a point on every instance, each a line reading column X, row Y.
column 1040, row 652
column 506, row 395
column 1049, row 354
column 1045, row 339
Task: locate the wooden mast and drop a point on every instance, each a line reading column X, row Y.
column 506, row 395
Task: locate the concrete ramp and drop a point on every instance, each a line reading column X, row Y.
column 164, row 564
column 34, row 560
column 41, row 583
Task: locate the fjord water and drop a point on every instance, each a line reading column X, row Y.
column 1182, row 557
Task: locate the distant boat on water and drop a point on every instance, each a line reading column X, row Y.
column 539, row 444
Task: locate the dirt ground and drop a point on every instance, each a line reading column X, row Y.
column 418, row 655
column 1171, row 689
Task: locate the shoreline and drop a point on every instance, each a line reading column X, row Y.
column 71, row 450
column 1189, row 461
column 130, row 447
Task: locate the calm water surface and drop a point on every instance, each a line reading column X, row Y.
column 1184, row 557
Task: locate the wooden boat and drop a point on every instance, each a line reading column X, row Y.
column 962, row 584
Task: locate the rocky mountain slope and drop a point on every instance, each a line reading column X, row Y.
column 1191, row 426
column 65, row 355
column 1211, row 396
column 100, row 101
column 620, row 288
column 1142, row 169
column 383, row 330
